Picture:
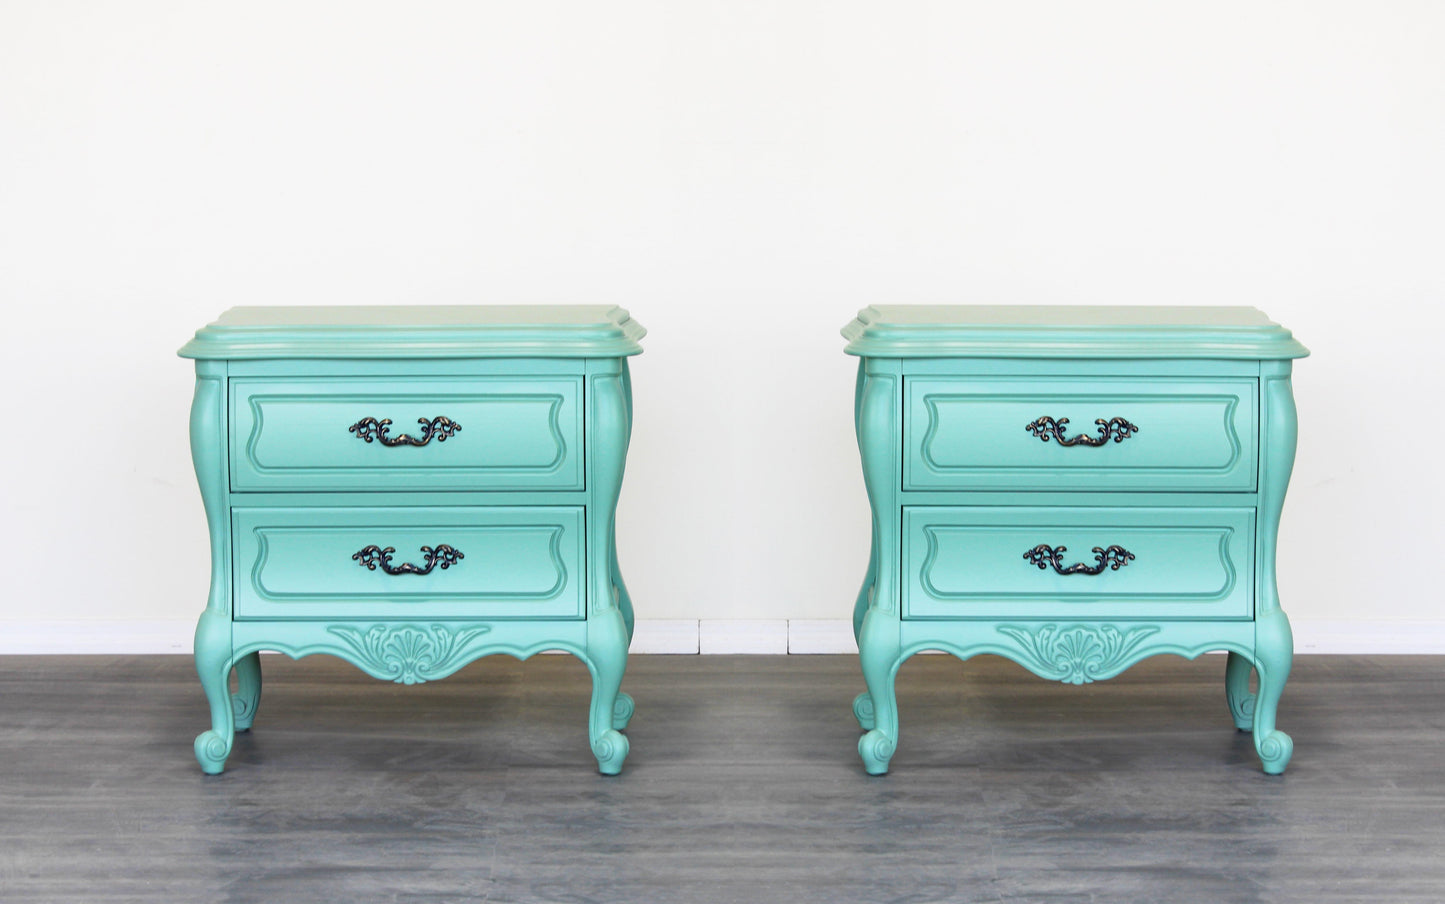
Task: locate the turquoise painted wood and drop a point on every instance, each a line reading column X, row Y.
column 1078, row 332
column 514, row 433
column 1201, row 434
column 419, row 332
column 479, row 520
column 969, row 562
column 510, row 562
column 998, row 529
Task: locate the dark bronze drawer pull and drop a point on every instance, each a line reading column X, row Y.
column 1044, row 555
column 443, row 555
column 369, row 428
column 1116, row 428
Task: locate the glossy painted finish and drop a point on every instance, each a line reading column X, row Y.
column 1189, row 518
column 1092, row 332
column 494, row 534
column 513, row 433
column 969, row 562
column 969, row 433
column 517, row 562
column 428, row 332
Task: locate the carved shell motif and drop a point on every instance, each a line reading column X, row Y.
column 1076, row 654
column 408, row 654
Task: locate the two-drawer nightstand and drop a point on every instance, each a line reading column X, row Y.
column 1075, row 489
column 411, row 488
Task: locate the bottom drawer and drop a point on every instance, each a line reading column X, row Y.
column 479, row 562
column 984, row 562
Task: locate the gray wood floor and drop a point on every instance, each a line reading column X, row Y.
column 743, row 785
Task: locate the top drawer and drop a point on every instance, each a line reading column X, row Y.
column 1003, row 433
column 460, row 433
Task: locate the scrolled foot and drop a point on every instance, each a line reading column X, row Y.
column 245, row 711
column 211, row 752
column 1275, row 750
column 610, row 749
column 876, row 749
column 1241, row 707
column 863, row 711
column 1241, row 700
column 247, row 698
column 622, row 712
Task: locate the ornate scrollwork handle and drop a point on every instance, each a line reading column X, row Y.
column 1113, row 558
column 369, row 428
column 1116, row 428
column 443, row 555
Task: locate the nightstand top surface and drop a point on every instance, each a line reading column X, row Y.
column 1068, row 331
column 419, row 331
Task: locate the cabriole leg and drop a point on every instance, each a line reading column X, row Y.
column 607, row 653
column 622, row 713
column 1273, row 642
column 863, row 711
column 875, row 614
column 609, row 628
column 1274, row 648
column 213, row 666
column 248, row 690
column 1236, row 691
column 863, row 703
column 878, row 651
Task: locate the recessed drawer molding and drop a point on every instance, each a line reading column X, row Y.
column 964, row 562
column 982, row 433
column 302, row 562
column 521, row 434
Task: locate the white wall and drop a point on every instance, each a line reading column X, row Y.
column 743, row 176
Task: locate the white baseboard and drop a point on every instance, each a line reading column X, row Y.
column 1331, row 636
column 688, row 637
column 664, row 635
column 806, row 636
column 124, row 637
column 741, row 635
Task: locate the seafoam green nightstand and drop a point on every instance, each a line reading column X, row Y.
column 411, row 488
column 1074, row 488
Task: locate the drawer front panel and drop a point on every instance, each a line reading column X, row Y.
column 984, row 562
column 1172, row 434
column 514, row 434
column 514, row 562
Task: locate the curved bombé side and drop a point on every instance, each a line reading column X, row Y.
column 213, row 631
column 879, row 634
column 608, row 426
column 1274, row 641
